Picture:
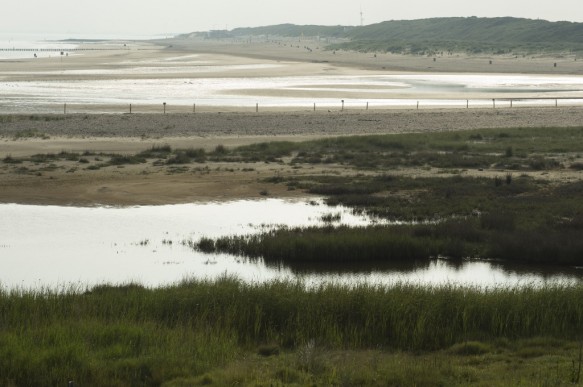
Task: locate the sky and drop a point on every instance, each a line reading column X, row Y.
column 169, row 17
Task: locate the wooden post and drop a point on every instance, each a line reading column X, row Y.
column 130, row 108
column 467, row 103
column 257, row 108
column 367, row 106
column 164, row 104
column 510, row 103
column 342, row 105
column 417, row 105
column 556, row 103
column 194, row 108
column 314, row 106
column 494, row 103
column 65, row 109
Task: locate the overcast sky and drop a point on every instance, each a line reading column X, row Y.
column 147, row 17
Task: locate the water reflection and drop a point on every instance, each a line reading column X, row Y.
column 49, row 246
column 442, row 272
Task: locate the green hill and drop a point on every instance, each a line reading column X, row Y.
column 472, row 29
column 452, row 34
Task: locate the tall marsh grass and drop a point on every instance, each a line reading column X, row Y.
column 493, row 236
column 328, row 244
column 130, row 335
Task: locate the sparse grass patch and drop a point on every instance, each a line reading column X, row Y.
column 186, row 156
column 220, row 150
column 4, row 118
column 11, row 160
column 125, row 159
column 30, row 134
column 156, row 152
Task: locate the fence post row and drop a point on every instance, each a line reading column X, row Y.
column 367, row 105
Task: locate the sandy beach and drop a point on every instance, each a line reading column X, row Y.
column 296, row 50
column 119, row 132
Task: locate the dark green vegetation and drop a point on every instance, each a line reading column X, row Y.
column 520, row 221
column 430, row 36
column 473, row 35
column 229, row 333
column 6, row 118
column 477, row 214
column 158, row 155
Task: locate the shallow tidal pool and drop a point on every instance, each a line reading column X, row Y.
column 60, row 247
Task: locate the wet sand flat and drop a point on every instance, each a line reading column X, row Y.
column 197, row 75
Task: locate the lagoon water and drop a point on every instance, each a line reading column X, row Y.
column 55, row 247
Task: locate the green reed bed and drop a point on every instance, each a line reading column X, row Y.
column 329, row 244
column 132, row 335
column 490, row 236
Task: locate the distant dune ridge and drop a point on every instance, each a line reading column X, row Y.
column 471, row 34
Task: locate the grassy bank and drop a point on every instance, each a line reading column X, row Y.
column 215, row 333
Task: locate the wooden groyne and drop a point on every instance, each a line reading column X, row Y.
column 14, row 49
